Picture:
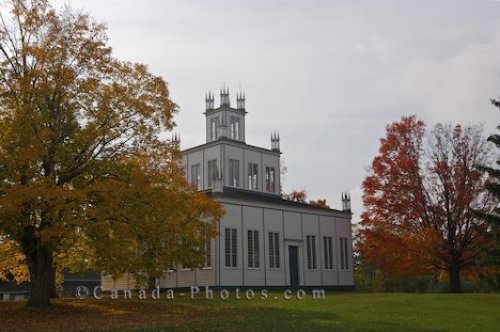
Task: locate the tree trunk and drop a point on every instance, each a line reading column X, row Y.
column 454, row 277
column 41, row 275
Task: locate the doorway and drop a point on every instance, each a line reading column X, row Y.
column 293, row 257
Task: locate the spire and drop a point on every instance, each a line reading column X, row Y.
column 275, row 141
column 209, row 100
column 176, row 141
column 346, row 202
column 240, row 100
column 224, row 97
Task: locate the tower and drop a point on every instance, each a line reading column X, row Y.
column 225, row 122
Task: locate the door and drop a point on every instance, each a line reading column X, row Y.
column 294, row 266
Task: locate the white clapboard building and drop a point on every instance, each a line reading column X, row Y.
column 264, row 240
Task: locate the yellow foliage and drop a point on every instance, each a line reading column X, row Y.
column 86, row 180
column 12, row 262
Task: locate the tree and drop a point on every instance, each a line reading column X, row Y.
column 84, row 171
column 418, row 201
column 319, row 203
column 491, row 259
column 296, row 196
column 300, row 196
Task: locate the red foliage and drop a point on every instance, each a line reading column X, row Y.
column 417, row 201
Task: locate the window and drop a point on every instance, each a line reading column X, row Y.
column 214, row 128
column 252, row 176
column 253, row 249
column 230, row 241
column 311, row 252
column 195, row 176
column 328, row 252
column 208, row 253
column 212, row 172
column 344, row 254
column 234, row 127
column 234, row 173
column 274, row 250
column 270, row 179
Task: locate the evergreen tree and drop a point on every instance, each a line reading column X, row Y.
column 491, row 259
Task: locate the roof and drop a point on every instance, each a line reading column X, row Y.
column 13, row 287
column 225, row 108
column 255, row 196
column 230, row 141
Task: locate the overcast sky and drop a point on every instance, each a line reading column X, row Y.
column 328, row 75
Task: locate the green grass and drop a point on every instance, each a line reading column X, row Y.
column 358, row 312
column 338, row 312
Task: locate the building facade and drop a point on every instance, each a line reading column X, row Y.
column 264, row 240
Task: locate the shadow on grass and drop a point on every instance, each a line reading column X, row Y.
column 278, row 319
column 104, row 315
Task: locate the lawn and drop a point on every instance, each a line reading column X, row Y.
column 337, row 312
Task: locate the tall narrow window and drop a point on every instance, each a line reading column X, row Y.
column 328, row 252
column 234, row 127
column 231, row 253
column 214, row 129
column 196, row 176
column 274, row 250
column 344, row 254
column 270, row 179
column 212, row 172
column 253, row 176
column 234, row 173
column 253, row 249
column 311, row 252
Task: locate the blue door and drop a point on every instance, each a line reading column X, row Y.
column 294, row 266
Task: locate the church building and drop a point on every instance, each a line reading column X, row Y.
column 264, row 240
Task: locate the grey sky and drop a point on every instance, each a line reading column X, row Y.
column 328, row 75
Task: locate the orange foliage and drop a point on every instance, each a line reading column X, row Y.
column 417, row 201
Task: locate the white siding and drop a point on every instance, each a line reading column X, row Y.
column 273, row 222
column 124, row 282
column 270, row 160
column 327, row 227
column 236, row 153
column 293, row 226
column 310, row 226
column 252, row 220
column 230, row 276
column 346, row 277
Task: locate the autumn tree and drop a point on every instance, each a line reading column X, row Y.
column 85, row 176
column 319, row 203
column 418, row 200
column 296, row 196
column 300, row 196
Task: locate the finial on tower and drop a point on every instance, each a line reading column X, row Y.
column 224, row 97
column 176, row 140
column 240, row 100
column 209, row 100
column 346, row 202
column 275, row 141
